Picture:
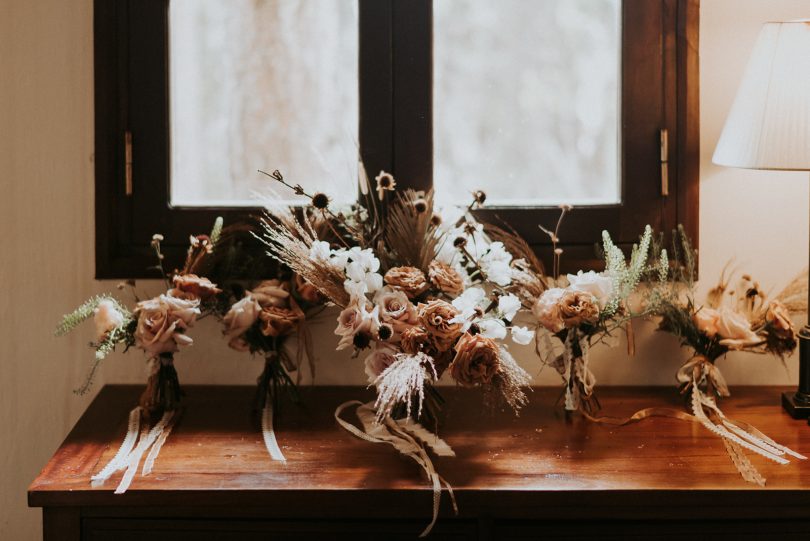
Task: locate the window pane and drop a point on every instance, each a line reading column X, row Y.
column 526, row 100
column 262, row 84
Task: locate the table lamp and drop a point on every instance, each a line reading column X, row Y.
column 769, row 128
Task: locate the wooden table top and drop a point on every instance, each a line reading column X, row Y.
column 541, row 463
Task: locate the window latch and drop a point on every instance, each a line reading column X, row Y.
column 664, row 139
column 128, row 163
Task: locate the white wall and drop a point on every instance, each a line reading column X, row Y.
column 46, row 245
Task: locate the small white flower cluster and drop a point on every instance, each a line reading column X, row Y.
column 359, row 265
column 473, row 302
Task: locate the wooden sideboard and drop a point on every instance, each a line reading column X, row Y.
column 540, row 475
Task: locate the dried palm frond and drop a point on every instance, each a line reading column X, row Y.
column 289, row 242
column 526, row 283
column 410, row 233
column 403, row 383
column 794, row 296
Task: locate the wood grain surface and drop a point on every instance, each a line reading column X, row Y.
column 541, row 464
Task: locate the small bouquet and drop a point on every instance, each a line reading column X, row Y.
column 158, row 326
column 260, row 322
column 731, row 319
column 583, row 309
column 419, row 297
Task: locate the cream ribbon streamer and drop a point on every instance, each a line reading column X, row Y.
column 129, row 453
column 268, row 433
column 407, row 437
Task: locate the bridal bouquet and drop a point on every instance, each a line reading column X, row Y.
column 419, row 298
column 580, row 310
column 159, row 327
column 739, row 318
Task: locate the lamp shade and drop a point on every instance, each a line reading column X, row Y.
column 769, row 124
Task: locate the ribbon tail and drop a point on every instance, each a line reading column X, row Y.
column 118, row 462
column 743, row 464
column 431, row 439
column 146, row 440
column 396, row 434
column 268, row 432
column 149, row 463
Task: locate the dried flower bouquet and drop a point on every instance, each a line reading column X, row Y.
column 419, row 297
column 158, row 326
column 731, row 319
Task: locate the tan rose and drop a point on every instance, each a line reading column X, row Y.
column 395, row 309
column 410, row 280
column 778, row 319
column 735, row 330
column 191, row 286
column 547, row 309
column 445, row 278
column 272, row 293
column 477, row 360
column 381, row 358
column 306, row 291
column 162, row 322
column 278, row 321
column 578, row 307
column 435, row 317
column 706, row 320
column 242, row 315
column 413, row 340
column 107, row 317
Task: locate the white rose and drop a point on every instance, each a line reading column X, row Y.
column 107, row 317
column 522, row 335
column 597, row 284
column 319, row 251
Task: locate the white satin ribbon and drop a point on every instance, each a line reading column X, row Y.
column 268, row 432
column 407, row 437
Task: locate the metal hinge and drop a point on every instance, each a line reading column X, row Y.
column 128, row 163
column 664, row 162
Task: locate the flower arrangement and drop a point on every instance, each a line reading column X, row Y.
column 159, row 327
column 582, row 309
column 731, row 319
column 419, row 297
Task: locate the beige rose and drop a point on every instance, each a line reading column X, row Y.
column 413, row 340
column 735, row 330
column 280, row 321
column 383, row 356
column 578, row 307
column 435, row 317
column 162, row 322
column 242, row 315
column 396, row 309
column 706, row 320
column 191, row 286
column 410, row 280
column 476, row 362
column 778, row 319
column 445, row 278
column 356, row 319
column 547, row 309
column 272, row 293
column 107, row 317
column 306, row 291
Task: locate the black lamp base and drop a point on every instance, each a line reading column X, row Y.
column 797, row 404
column 795, row 408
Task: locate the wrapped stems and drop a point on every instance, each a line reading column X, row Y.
column 162, row 393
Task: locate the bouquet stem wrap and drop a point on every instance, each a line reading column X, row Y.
column 573, row 365
column 409, row 438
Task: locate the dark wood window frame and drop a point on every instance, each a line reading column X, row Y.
column 659, row 91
